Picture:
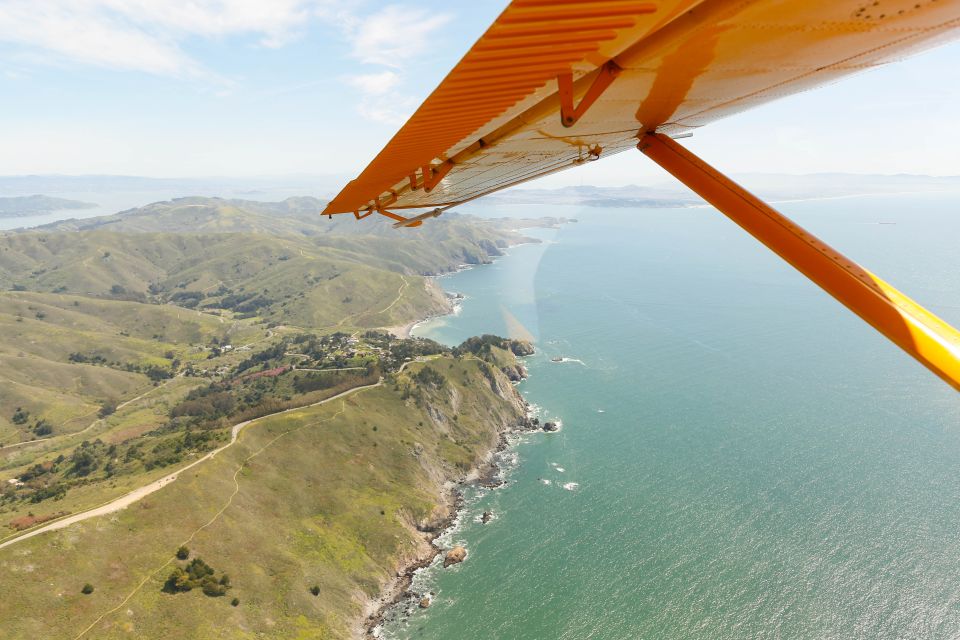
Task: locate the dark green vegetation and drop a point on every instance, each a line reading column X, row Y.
column 29, row 205
column 486, row 345
column 197, row 574
column 133, row 346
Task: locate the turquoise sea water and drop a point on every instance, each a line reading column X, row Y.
column 750, row 459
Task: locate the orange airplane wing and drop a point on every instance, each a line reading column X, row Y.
column 555, row 83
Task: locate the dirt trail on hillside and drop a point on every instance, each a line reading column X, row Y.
column 45, row 441
column 142, row 492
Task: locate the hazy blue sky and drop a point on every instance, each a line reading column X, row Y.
column 257, row 87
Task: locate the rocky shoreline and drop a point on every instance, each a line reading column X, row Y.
column 487, row 475
column 398, row 589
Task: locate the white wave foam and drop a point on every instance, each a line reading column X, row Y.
column 561, row 469
column 545, row 481
column 571, row 486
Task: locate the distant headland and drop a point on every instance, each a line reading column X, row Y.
column 16, row 206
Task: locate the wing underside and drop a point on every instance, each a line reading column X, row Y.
column 616, row 69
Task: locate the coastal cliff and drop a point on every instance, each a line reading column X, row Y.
column 468, row 416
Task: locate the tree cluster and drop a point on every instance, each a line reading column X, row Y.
column 197, row 574
column 480, row 346
column 430, row 378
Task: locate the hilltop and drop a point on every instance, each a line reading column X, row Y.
column 448, row 241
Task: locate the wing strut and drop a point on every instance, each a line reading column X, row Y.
column 927, row 338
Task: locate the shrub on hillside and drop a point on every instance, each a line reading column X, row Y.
column 107, row 408
column 84, row 460
column 43, row 428
column 315, row 381
column 196, row 575
column 212, row 588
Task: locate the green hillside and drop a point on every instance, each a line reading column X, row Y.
column 280, row 280
column 329, row 497
column 92, row 309
column 132, row 345
column 445, row 243
column 279, row 262
column 64, row 356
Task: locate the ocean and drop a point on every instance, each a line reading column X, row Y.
column 740, row 456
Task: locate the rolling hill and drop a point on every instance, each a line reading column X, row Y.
column 153, row 287
column 133, row 345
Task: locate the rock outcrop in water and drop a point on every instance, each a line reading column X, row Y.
column 455, row 556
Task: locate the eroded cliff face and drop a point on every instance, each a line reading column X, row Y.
column 467, row 406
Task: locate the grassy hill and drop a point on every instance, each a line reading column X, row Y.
column 329, row 497
column 446, row 242
column 298, row 217
column 279, row 280
column 280, row 262
column 131, row 344
column 152, row 286
column 64, row 356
